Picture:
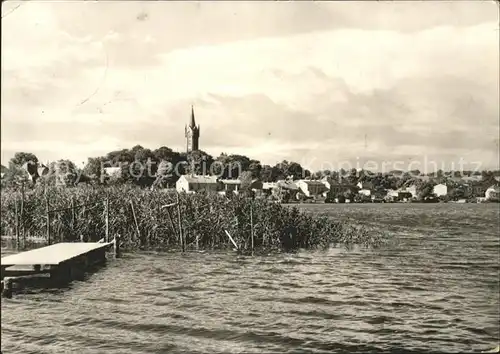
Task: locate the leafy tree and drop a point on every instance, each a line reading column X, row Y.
column 255, row 168
column 404, row 180
column 21, row 158
column 349, row 195
column 198, row 162
column 26, row 161
column 488, row 177
column 246, row 179
column 64, row 173
column 165, row 174
column 294, row 169
column 458, row 193
column 94, row 168
column 268, row 174
column 352, row 178
column 425, row 190
column 16, row 176
column 166, row 154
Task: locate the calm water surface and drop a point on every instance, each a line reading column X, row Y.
column 435, row 290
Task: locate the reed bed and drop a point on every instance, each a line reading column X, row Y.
column 138, row 217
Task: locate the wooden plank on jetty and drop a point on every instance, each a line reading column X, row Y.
column 63, row 261
column 54, row 254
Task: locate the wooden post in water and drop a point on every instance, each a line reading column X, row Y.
column 116, row 246
column 17, row 225
column 135, row 220
column 251, row 225
column 106, row 218
column 21, row 222
column 48, row 219
column 171, row 222
column 7, row 288
column 73, row 216
column 181, row 234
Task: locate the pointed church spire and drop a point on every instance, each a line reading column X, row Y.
column 192, row 133
column 192, row 124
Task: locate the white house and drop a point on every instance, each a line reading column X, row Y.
column 492, row 194
column 391, row 193
column 412, row 190
column 335, row 187
column 231, row 185
column 365, row 192
column 311, row 188
column 112, row 171
column 196, row 183
column 440, row 190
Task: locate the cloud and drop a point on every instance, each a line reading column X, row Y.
column 349, row 90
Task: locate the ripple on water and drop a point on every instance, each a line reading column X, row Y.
column 435, row 290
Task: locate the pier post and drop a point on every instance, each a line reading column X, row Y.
column 116, row 246
column 62, row 274
column 18, row 241
column 77, row 270
column 106, row 207
column 73, row 217
column 48, row 219
column 7, row 288
column 251, row 225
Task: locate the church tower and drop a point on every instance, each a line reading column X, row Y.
column 192, row 134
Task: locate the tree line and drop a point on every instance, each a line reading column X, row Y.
column 163, row 166
column 146, row 167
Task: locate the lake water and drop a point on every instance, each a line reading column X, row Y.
column 435, row 290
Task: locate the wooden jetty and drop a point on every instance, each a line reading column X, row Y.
column 63, row 261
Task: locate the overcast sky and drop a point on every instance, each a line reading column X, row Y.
column 314, row 82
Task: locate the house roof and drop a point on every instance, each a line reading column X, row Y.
column 112, row 170
column 287, row 185
column 230, row 181
column 312, row 182
column 336, row 182
column 465, row 179
column 200, row 179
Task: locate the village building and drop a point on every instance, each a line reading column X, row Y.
column 492, row 194
column 365, row 188
column 392, row 195
column 411, row 190
column 267, row 187
column 311, row 188
column 440, row 190
column 284, row 187
column 335, row 187
column 256, row 185
column 112, row 171
column 231, row 185
column 197, row 183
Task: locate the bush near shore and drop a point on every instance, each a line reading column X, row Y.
column 204, row 217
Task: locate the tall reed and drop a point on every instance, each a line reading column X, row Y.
column 204, row 217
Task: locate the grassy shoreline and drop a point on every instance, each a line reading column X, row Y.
column 203, row 218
